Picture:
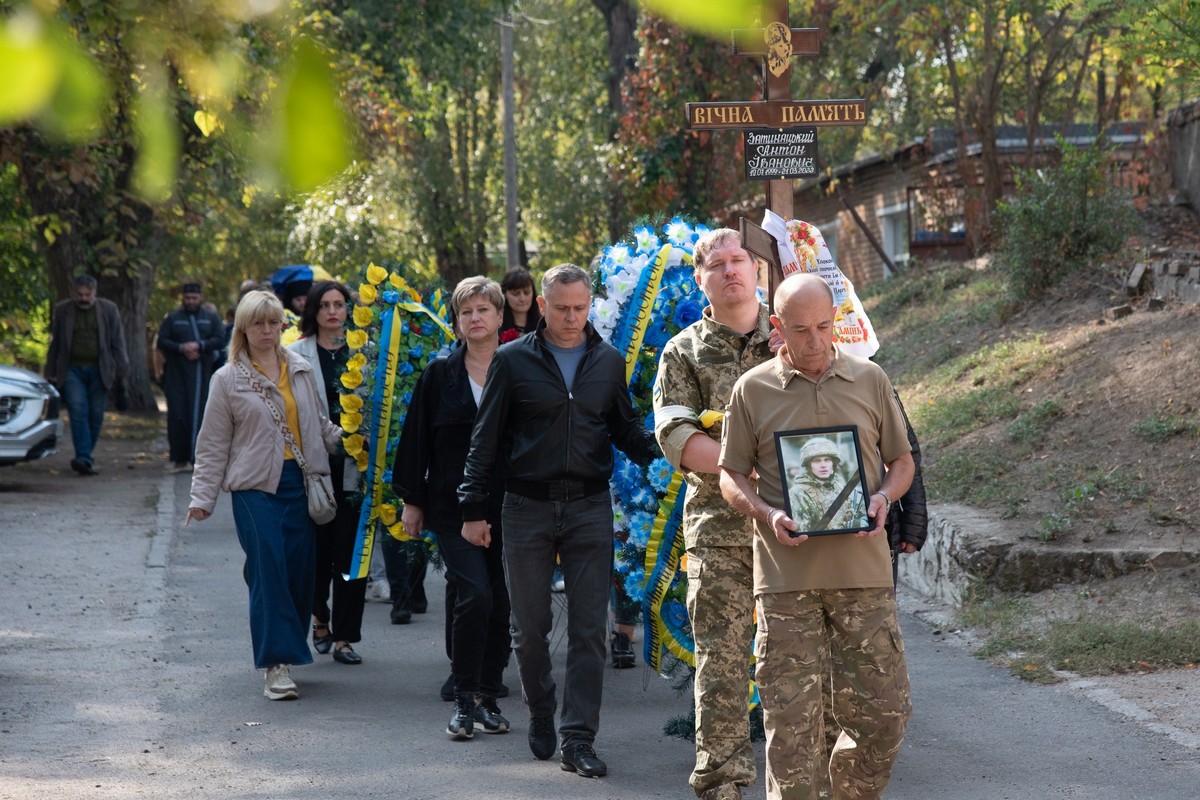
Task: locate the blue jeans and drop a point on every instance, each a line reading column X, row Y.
column 579, row 532
column 277, row 536
column 86, row 396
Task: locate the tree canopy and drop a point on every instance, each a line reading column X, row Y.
column 143, row 143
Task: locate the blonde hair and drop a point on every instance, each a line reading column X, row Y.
column 254, row 307
column 477, row 286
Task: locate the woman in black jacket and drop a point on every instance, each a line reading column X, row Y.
column 426, row 474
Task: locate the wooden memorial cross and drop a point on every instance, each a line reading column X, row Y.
column 776, row 44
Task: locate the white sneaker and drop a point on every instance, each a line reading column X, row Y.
column 379, row 591
column 279, row 684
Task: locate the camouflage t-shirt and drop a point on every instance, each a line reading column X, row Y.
column 696, row 374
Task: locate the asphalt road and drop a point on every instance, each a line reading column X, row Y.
column 125, row 672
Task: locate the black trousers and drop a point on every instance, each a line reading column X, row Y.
column 479, row 633
column 335, row 546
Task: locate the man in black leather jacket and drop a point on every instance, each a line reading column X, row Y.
column 554, row 405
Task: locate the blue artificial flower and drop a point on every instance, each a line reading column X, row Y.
column 641, row 523
column 674, row 614
column 649, row 423
column 647, row 240
column 659, row 473
column 686, row 312
column 404, row 328
column 642, row 497
column 635, row 581
column 406, row 399
column 416, row 351
column 627, row 477
column 405, row 368
column 618, row 254
column 656, row 335
column 391, row 297
column 678, row 232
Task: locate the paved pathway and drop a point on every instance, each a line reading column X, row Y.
column 125, row 672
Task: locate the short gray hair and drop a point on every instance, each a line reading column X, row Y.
column 562, row 274
column 477, row 286
column 86, row 281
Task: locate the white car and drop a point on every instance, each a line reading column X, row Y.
column 29, row 423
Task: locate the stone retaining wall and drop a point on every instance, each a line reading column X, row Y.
column 963, row 550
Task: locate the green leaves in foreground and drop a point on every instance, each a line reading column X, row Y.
column 715, row 19
column 48, row 79
column 51, row 81
column 311, row 132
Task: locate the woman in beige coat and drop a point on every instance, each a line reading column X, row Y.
column 241, row 449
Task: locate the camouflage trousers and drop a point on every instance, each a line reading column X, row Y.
column 721, row 606
column 848, row 639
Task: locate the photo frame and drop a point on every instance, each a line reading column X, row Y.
column 824, row 482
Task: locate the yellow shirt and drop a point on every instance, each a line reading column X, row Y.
column 289, row 405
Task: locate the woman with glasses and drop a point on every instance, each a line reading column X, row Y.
column 323, row 345
column 263, row 419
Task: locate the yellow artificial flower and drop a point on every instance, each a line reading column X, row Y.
column 356, row 361
column 398, row 533
column 366, row 293
column 356, row 339
column 350, row 402
column 387, row 513
column 351, row 421
column 361, row 460
column 363, row 316
column 353, row 444
column 376, row 274
column 352, row 379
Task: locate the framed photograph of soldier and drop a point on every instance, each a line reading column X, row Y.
column 824, row 487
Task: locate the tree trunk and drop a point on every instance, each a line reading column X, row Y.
column 74, row 207
column 620, row 18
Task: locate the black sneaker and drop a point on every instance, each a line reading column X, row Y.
column 487, row 714
column 543, row 739
column 447, row 690
column 622, row 651
column 462, row 724
column 582, row 759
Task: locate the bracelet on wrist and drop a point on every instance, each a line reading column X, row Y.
column 884, row 495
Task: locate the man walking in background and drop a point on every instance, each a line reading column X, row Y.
column 188, row 337
column 87, row 357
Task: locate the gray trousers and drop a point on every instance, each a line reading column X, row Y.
column 579, row 532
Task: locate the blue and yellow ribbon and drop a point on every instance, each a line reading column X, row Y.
column 382, row 398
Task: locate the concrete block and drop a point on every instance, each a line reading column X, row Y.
column 1134, row 280
column 1118, row 312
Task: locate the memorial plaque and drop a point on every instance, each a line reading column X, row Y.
column 781, row 154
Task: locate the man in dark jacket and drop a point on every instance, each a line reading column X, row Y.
column 86, row 358
column 188, row 337
column 554, row 404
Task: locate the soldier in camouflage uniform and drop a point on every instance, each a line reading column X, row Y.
column 814, row 491
column 826, row 606
column 695, row 376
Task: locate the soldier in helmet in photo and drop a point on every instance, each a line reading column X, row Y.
column 815, row 490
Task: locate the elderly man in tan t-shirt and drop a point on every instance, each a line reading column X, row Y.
column 823, row 600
